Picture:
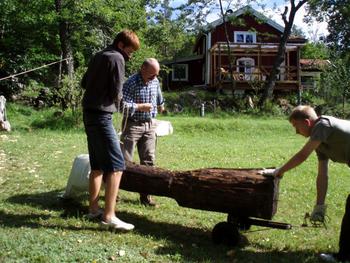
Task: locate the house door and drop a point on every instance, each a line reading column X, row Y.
column 245, row 66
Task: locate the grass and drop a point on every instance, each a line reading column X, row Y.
column 36, row 226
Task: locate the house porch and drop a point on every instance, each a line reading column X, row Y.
column 252, row 64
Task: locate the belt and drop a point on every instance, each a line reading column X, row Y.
column 139, row 121
column 97, row 111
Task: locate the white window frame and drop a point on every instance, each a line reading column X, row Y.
column 245, row 34
column 248, row 71
column 186, row 72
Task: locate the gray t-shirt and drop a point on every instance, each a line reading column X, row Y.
column 334, row 135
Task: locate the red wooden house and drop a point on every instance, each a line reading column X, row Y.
column 253, row 45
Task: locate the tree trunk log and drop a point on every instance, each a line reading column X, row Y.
column 239, row 192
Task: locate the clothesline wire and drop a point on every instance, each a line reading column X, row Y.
column 24, row 72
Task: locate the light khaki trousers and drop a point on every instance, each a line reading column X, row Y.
column 140, row 134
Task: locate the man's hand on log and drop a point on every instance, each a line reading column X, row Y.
column 271, row 172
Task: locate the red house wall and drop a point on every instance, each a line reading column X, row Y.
column 195, row 77
column 265, row 32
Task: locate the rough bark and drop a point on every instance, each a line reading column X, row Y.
column 66, row 48
column 239, row 192
column 288, row 24
column 230, row 57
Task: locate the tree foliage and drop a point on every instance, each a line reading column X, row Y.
column 167, row 32
column 196, row 12
column 31, row 34
column 315, row 51
column 335, row 83
column 337, row 15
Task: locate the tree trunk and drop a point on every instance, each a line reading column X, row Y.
column 271, row 80
column 66, row 48
column 230, row 57
column 239, row 192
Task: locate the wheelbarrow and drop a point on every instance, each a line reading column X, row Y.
column 245, row 195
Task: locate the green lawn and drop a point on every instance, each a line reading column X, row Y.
column 36, row 226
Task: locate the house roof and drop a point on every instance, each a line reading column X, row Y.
column 314, row 64
column 244, row 10
column 183, row 59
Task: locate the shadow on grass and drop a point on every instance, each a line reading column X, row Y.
column 52, row 201
column 58, row 123
column 195, row 245
column 190, row 243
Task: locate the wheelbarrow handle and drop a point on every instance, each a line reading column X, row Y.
column 267, row 223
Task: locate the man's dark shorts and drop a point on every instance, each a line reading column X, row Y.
column 103, row 143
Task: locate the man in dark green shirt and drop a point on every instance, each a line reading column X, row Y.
column 330, row 138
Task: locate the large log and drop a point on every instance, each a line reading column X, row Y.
column 239, row 192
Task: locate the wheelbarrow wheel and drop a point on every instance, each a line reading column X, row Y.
column 242, row 223
column 225, row 233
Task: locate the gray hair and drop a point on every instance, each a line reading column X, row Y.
column 151, row 62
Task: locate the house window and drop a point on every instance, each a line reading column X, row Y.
column 180, row 72
column 245, row 67
column 244, row 37
column 309, row 82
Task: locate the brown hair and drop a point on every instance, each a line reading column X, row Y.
column 303, row 112
column 128, row 38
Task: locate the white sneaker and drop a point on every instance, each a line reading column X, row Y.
column 116, row 223
column 328, row 257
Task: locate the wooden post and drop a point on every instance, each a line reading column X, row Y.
column 299, row 77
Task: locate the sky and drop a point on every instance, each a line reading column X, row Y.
column 313, row 32
column 273, row 10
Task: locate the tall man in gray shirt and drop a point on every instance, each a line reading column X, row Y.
column 330, row 138
column 103, row 82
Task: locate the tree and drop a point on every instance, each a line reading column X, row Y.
column 315, row 51
column 37, row 32
column 337, row 15
column 335, row 83
column 65, row 38
column 196, row 12
column 288, row 24
column 297, row 31
column 166, row 33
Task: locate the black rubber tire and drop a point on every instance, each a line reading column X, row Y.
column 240, row 222
column 225, row 233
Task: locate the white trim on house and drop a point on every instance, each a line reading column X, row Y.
column 184, row 59
column 248, row 65
column 207, row 58
column 246, row 9
column 175, row 78
column 310, row 79
column 264, row 46
column 245, row 34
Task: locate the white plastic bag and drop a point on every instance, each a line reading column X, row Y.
column 78, row 181
column 2, row 108
column 163, row 128
column 5, row 126
column 4, row 123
